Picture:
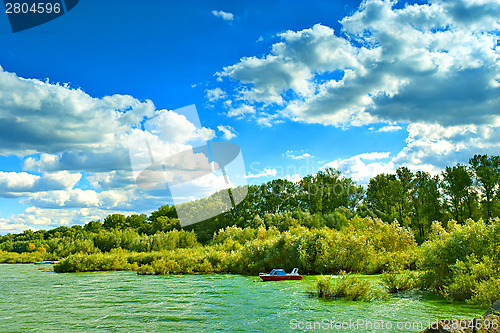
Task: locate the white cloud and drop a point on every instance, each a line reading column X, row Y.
column 53, row 208
column 6, row 226
column 17, row 184
column 228, row 132
column 432, row 147
column 215, row 94
column 293, row 178
column 428, row 63
column 390, row 128
column 176, row 128
column 116, row 179
column 434, row 66
column 74, row 198
column 241, row 111
column 356, row 168
column 63, row 132
column 429, row 148
column 373, row 155
column 131, row 199
column 223, row 15
column 42, row 218
column 297, row 155
column 264, row 173
column 69, row 130
column 40, row 117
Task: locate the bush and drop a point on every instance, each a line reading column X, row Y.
column 80, row 262
column 347, row 286
column 395, row 282
column 21, row 258
column 467, row 275
column 440, row 254
column 486, row 292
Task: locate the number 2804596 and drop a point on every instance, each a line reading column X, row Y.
column 34, row 8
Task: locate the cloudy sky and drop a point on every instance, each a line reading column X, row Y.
column 361, row 86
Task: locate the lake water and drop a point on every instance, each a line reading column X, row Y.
column 32, row 300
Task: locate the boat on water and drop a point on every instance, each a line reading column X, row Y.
column 45, row 262
column 280, row 275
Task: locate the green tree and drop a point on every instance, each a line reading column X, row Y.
column 382, row 196
column 457, row 187
column 328, row 190
column 115, row 221
column 425, row 202
column 136, row 221
column 93, row 226
column 403, row 190
column 163, row 223
column 166, row 211
column 487, row 176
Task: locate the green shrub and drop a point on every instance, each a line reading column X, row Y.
column 21, row 258
column 347, row 286
column 444, row 258
column 486, row 292
column 395, row 282
column 467, row 275
column 80, row 262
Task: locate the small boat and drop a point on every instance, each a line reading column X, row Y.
column 45, row 262
column 280, row 275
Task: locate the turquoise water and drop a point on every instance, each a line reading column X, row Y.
column 32, row 300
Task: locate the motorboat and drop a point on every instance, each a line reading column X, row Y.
column 280, row 275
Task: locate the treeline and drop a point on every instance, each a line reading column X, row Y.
column 415, row 200
column 459, row 193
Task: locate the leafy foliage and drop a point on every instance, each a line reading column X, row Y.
column 322, row 224
column 347, row 286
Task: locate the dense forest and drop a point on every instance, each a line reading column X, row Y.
column 439, row 233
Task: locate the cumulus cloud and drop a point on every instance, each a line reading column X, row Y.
column 6, row 226
column 390, row 128
column 357, row 167
column 215, row 94
column 115, row 179
column 127, row 200
column 293, row 178
column 17, row 184
column 434, row 66
column 223, row 15
column 172, row 127
column 38, row 116
column 68, row 129
column 432, row 63
column 227, row 132
column 432, row 147
column 264, row 173
column 61, row 133
column 297, row 155
column 41, row 218
column 241, row 111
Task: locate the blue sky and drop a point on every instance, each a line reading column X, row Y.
column 364, row 87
